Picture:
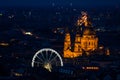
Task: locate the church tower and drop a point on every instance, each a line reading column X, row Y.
column 67, row 42
column 77, row 44
column 67, row 46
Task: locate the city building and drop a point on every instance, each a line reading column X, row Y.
column 85, row 40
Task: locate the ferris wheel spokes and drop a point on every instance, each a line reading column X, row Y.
column 50, row 56
column 40, row 58
column 47, row 58
column 53, row 58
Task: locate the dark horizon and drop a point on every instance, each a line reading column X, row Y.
column 60, row 3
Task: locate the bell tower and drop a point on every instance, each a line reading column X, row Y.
column 77, row 44
column 67, row 42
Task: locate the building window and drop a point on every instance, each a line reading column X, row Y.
column 89, row 43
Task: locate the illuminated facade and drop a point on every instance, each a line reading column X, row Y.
column 85, row 40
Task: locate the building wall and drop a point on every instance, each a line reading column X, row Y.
column 77, row 44
column 82, row 43
column 89, row 43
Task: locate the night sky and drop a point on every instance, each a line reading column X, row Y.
column 48, row 3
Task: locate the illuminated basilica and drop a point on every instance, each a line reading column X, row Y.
column 85, row 40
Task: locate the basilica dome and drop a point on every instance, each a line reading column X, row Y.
column 88, row 31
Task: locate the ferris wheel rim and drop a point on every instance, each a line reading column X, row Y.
column 47, row 49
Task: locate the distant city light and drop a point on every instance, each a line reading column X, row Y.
column 53, row 4
column 17, row 74
column 4, row 44
column 1, row 14
column 71, row 4
column 74, row 9
column 90, row 68
column 0, row 56
column 28, row 33
column 101, row 47
column 11, row 16
column 12, row 39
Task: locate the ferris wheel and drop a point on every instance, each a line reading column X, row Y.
column 47, row 58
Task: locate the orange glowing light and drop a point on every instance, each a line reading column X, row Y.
column 90, row 68
column 83, row 20
column 107, row 52
column 85, row 41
